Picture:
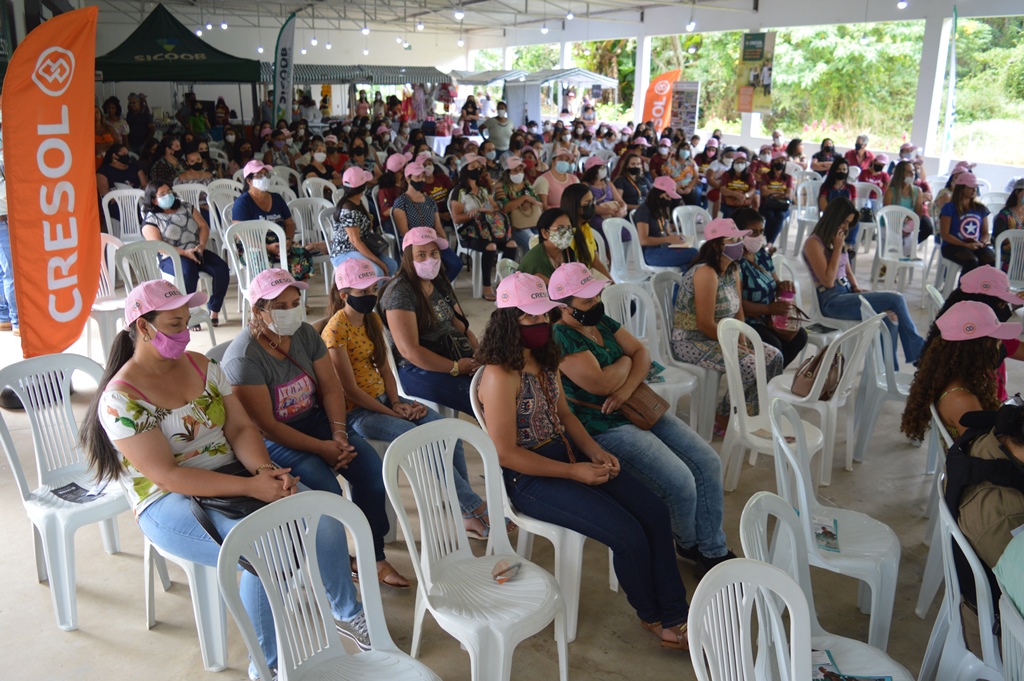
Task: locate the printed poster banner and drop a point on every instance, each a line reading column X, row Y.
column 658, row 99
column 284, row 70
column 685, row 106
column 754, row 73
column 50, row 163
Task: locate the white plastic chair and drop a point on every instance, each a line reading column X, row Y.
column 314, row 187
column 455, row 586
column 721, row 623
column 43, row 385
column 947, row 274
column 140, row 261
column 505, row 268
column 936, row 300
column 805, row 212
column 744, row 431
column 192, row 193
column 224, row 184
column 108, row 309
column 947, row 658
column 276, row 541
column 816, row 314
column 219, row 156
column 475, row 258
column 994, row 201
column 665, row 285
column 851, row 346
column 1013, row 639
column 786, row 548
column 567, row 544
column 129, row 220
column 252, row 234
column 632, row 307
column 436, row 406
column 306, row 214
column 931, row 579
column 890, row 253
column 879, row 383
column 628, row 267
column 287, row 193
column 867, row 191
column 1015, row 271
column 690, row 222
column 291, row 177
column 239, row 176
column 869, row 550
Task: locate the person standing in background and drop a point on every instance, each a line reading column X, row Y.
column 8, row 303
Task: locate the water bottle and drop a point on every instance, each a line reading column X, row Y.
column 784, row 322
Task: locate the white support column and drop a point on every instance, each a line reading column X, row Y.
column 567, row 60
column 641, row 74
column 510, row 57
column 930, row 81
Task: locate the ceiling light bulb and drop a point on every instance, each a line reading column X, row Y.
column 398, row 39
column 544, row 29
column 313, row 41
column 570, row 16
column 328, row 45
column 303, row 50
column 366, row 30
column 199, row 31
column 902, row 4
column 365, row 51
column 419, row 26
column 224, row 25
column 260, row 49
column 459, row 15
column 690, row 26
column 405, row 44
column 209, row 26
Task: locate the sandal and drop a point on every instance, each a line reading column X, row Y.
column 682, row 641
column 214, row 321
column 475, row 534
column 388, row 575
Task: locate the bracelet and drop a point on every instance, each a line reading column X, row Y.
column 271, row 466
column 342, row 432
column 340, row 423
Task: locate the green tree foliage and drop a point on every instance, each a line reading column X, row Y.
column 532, row 58
column 706, row 57
column 488, row 60
column 612, row 58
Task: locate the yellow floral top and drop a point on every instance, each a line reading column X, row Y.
column 195, row 431
column 341, row 333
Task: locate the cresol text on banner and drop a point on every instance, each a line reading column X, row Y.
column 658, row 100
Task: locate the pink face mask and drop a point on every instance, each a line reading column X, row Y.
column 171, row 346
column 427, row 269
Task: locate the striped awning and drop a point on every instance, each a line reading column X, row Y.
column 400, row 75
column 307, row 74
column 485, row 77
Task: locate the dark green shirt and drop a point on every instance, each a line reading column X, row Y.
column 572, row 341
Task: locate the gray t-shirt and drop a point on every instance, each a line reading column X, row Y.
column 399, row 295
column 292, row 391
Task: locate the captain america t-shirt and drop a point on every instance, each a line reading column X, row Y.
column 968, row 225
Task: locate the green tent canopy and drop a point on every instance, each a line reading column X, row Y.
column 163, row 49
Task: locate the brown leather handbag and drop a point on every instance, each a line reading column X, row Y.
column 808, row 373
column 643, row 408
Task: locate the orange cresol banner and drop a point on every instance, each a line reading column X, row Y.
column 658, row 100
column 50, row 164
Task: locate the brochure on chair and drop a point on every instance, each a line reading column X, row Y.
column 77, row 494
column 823, row 668
column 826, row 533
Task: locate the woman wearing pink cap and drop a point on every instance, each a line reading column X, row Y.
column 556, row 472
column 876, row 174
column 957, row 370
column 946, row 193
column 166, row 423
column 963, row 224
column 391, row 184
column 653, row 220
column 608, row 201
column 355, row 341
column 283, row 377
column 354, row 235
column 711, row 291
column 416, row 208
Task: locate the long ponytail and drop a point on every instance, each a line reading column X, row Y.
column 104, row 458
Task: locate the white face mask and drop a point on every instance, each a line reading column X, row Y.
column 740, row 167
column 230, row 139
column 261, row 183
column 320, row 156
column 908, row 179
column 286, row 322
column 766, row 158
column 533, row 129
column 517, row 178
column 753, row 244
column 625, row 138
column 602, row 173
column 566, row 137
column 663, row 151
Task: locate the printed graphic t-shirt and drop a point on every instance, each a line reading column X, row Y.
column 968, row 225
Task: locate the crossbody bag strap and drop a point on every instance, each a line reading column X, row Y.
column 316, row 386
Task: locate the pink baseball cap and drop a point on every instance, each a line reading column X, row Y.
column 593, row 161
column 418, row 236
column 970, row 319
column 357, row 273
column 641, row 141
column 511, row 162
column 470, row 158
column 906, row 146
column 723, row 227
column 559, row 153
column 574, row 279
column 158, row 295
column 526, row 292
column 664, row 142
column 713, row 143
column 764, row 148
column 667, row 185
column 989, row 281
column 882, row 158
column 396, row 162
column 961, row 167
column 331, row 138
column 254, row 166
column 739, row 156
column 269, row 284
column 966, row 179
column 356, row 177
column 414, row 168
column 382, row 129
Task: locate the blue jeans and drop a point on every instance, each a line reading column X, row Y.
column 9, row 310
column 435, row 386
column 773, row 222
column 452, row 263
column 376, row 426
column 169, row 524
column 683, row 470
column 364, row 472
column 840, row 303
column 388, row 261
column 623, row 515
column 213, row 265
column 522, row 237
column 663, row 256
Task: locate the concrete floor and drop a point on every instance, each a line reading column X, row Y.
column 112, row 641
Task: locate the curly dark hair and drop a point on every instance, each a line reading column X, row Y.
column 972, row 363
column 502, row 344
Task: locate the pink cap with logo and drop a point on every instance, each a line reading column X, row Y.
column 966, row 180
column 641, row 141
column 989, row 281
column 331, row 138
column 356, row 177
column 471, row 158
column 396, row 162
column 526, row 292
column 593, row 161
column 418, row 236
column 381, row 129
column 414, row 168
column 970, row 319
column 713, row 143
column 254, row 166
column 723, row 227
column 357, row 273
column 157, row 295
column 882, row 158
column 667, row 185
column 664, row 142
column 269, row 284
column 511, row 162
column 739, row 156
column 574, row 279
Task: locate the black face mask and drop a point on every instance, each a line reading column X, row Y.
column 827, row 150
column 473, row 174
column 122, row 158
column 418, row 185
column 517, row 145
column 196, row 166
column 362, row 304
column 878, row 167
column 358, row 151
column 841, row 176
column 858, row 146
column 778, row 168
column 332, row 149
column 635, row 172
column 205, row 155
column 588, row 317
column 588, row 211
column 179, row 154
column 245, row 153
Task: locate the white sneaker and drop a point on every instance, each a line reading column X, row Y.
column 355, row 630
column 255, row 676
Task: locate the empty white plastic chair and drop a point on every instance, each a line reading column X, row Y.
column 867, row 193
column 43, row 385
column 192, row 193
column 866, row 549
column 931, row 579
column 455, row 586
column 127, row 226
column 805, row 212
column 289, row 175
column 225, row 184
column 1015, row 263
column 744, row 431
column 994, row 201
column 786, row 549
column 252, row 235
column 890, row 251
column 275, row 540
column 108, row 308
column 628, row 264
column 935, row 300
column 1013, row 639
column 314, row 187
column 690, row 222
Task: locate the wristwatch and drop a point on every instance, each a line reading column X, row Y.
column 455, row 368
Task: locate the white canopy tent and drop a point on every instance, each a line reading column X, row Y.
column 524, row 95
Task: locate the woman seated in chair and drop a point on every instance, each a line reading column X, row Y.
column 685, row 175
column 391, row 184
column 602, row 364
column 283, row 377
column 608, row 201
column 556, row 472
column 165, row 422
column 653, row 220
column 826, row 254
column 578, row 202
column 319, row 169
column 904, row 193
column 737, row 186
column 761, row 288
column 180, row 226
column 258, row 202
column 633, row 184
column 518, row 201
column 710, row 292
column 416, row 208
column 957, row 370
column 1010, row 217
column 427, row 326
column 963, row 224
column 837, row 185
column 777, row 191
column 354, row 234
column 554, row 245
column 355, row 342
column 118, row 168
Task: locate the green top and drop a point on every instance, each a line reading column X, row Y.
column 536, row 261
column 572, row 341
